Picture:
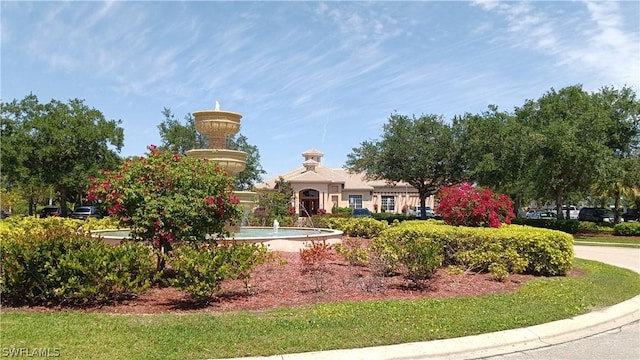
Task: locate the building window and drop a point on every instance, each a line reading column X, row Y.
column 310, row 193
column 355, row 201
column 388, row 203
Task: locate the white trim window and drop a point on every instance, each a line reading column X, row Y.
column 355, row 201
column 388, row 203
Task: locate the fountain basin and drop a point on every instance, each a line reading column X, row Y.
column 285, row 239
column 217, row 122
column 233, row 161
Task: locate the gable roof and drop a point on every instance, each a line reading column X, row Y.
column 313, row 171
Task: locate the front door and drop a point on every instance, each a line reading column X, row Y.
column 309, row 202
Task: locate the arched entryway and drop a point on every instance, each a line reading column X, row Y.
column 309, row 202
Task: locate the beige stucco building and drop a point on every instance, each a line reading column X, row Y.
column 318, row 187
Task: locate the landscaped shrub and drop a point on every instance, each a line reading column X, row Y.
column 313, row 259
column 336, row 210
column 357, row 227
column 200, row 269
column 353, row 251
column 57, row 265
column 467, row 205
column 587, row 227
column 591, row 227
column 167, row 197
column 410, row 248
column 243, row 257
column 568, row 226
column 421, row 257
column 514, row 248
column 517, row 248
column 627, row 229
column 390, row 218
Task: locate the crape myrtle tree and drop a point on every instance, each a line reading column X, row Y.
column 56, row 144
column 163, row 198
column 179, row 138
column 466, row 205
column 421, row 151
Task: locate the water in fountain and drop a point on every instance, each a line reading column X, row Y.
column 276, row 226
column 309, row 217
column 245, row 219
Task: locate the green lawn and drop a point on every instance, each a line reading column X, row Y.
column 322, row 327
column 621, row 241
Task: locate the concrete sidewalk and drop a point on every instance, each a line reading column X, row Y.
column 508, row 341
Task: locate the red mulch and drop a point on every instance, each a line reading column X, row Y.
column 276, row 285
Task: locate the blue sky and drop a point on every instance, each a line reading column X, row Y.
column 323, row 75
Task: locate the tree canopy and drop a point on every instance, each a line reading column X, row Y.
column 57, row 144
column 493, row 152
column 420, row 151
column 578, row 140
column 567, row 145
column 179, row 138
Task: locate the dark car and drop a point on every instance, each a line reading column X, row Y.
column 631, row 215
column 597, row 215
column 84, row 212
column 51, row 210
column 361, row 213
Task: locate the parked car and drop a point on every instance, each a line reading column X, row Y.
column 540, row 214
column 84, row 212
column 631, row 215
column 573, row 211
column 361, row 213
column 417, row 212
column 597, row 215
column 51, row 210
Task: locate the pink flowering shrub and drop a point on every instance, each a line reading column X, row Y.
column 166, row 197
column 466, row 205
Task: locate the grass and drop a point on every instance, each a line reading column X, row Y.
column 314, row 328
column 619, row 241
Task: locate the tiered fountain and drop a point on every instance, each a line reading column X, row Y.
column 217, row 125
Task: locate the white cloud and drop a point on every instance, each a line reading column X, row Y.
column 600, row 48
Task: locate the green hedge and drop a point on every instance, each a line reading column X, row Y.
column 510, row 248
column 59, row 266
column 357, row 227
column 16, row 225
column 627, row 229
column 568, row 226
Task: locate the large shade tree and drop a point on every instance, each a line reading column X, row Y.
column 179, row 137
column 57, row 144
column 581, row 143
column 495, row 152
column 619, row 174
column 566, row 143
column 421, row 151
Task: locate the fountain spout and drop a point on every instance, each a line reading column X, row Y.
column 276, row 225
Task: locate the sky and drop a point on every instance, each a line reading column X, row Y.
column 306, row 74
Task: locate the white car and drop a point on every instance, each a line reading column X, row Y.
column 573, row 211
column 416, row 211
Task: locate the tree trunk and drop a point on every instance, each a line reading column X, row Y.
column 616, row 208
column 559, row 205
column 62, row 190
